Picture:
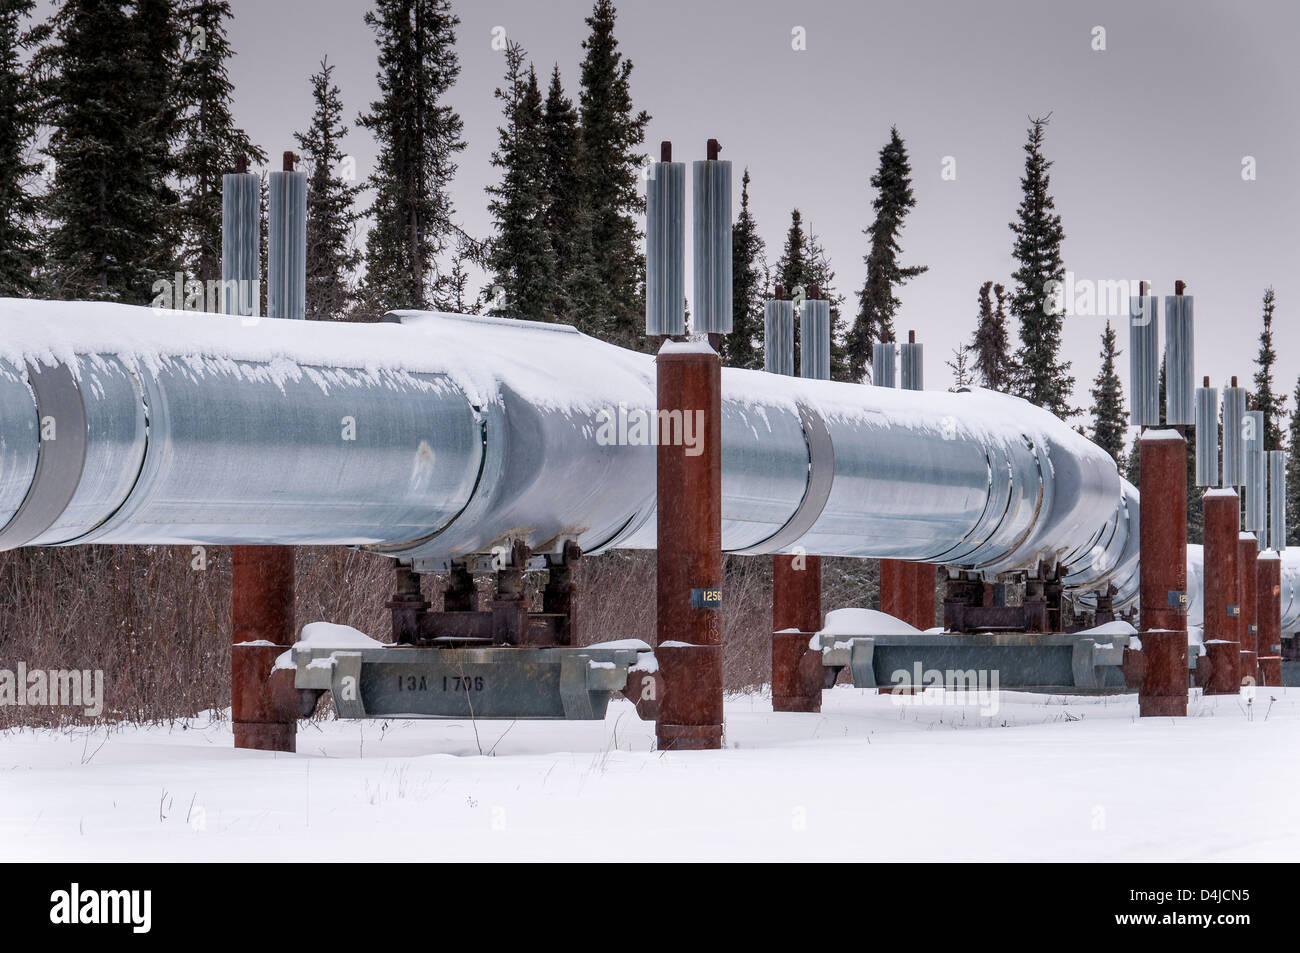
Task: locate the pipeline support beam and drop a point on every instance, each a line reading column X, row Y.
column 1247, row 595
column 1163, row 573
column 689, row 537
column 796, row 616
column 1221, row 612
column 264, row 703
column 1268, row 581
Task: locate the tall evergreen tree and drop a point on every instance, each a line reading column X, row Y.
column 1293, row 474
column 522, row 259
column 793, row 269
column 1109, row 425
column 992, row 357
column 610, row 159
column 210, row 141
column 1044, row 379
column 822, row 275
column 877, row 302
column 1265, row 399
column 156, row 29
column 111, row 96
column 563, row 197
column 332, row 216
column 803, row 264
column 743, row 347
column 1132, row 467
column 418, row 136
column 20, row 249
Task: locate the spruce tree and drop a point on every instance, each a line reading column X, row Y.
column 1043, row 378
column 20, row 248
column 803, row 264
column 563, row 196
column 877, row 302
column 793, row 270
column 743, row 347
column 210, row 141
column 458, row 282
column 1132, row 467
column 822, row 275
column 963, row 375
column 992, row 358
column 1293, row 474
column 156, row 30
column 1109, row 424
column 418, row 136
column 610, row 158
column 1265, row 399
column 332, row 216
column 522, row 260
column 111, row 102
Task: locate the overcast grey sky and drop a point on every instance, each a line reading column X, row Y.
column 1148, row 137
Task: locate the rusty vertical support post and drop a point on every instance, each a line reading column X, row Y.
column 923, row 589
column 1247, row 595
column 796, row 615
column 689, row 534
column 1163, row 540
column 264, row 703
column 1222, row 608
column 1268, row 601
column 898, row 589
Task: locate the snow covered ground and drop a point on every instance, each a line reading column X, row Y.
column 1045, row 778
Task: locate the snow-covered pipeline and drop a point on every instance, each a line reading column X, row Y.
column 434, row 437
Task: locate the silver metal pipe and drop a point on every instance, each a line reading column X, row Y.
column 438, row 437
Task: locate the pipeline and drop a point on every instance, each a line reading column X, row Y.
column 435, row 437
